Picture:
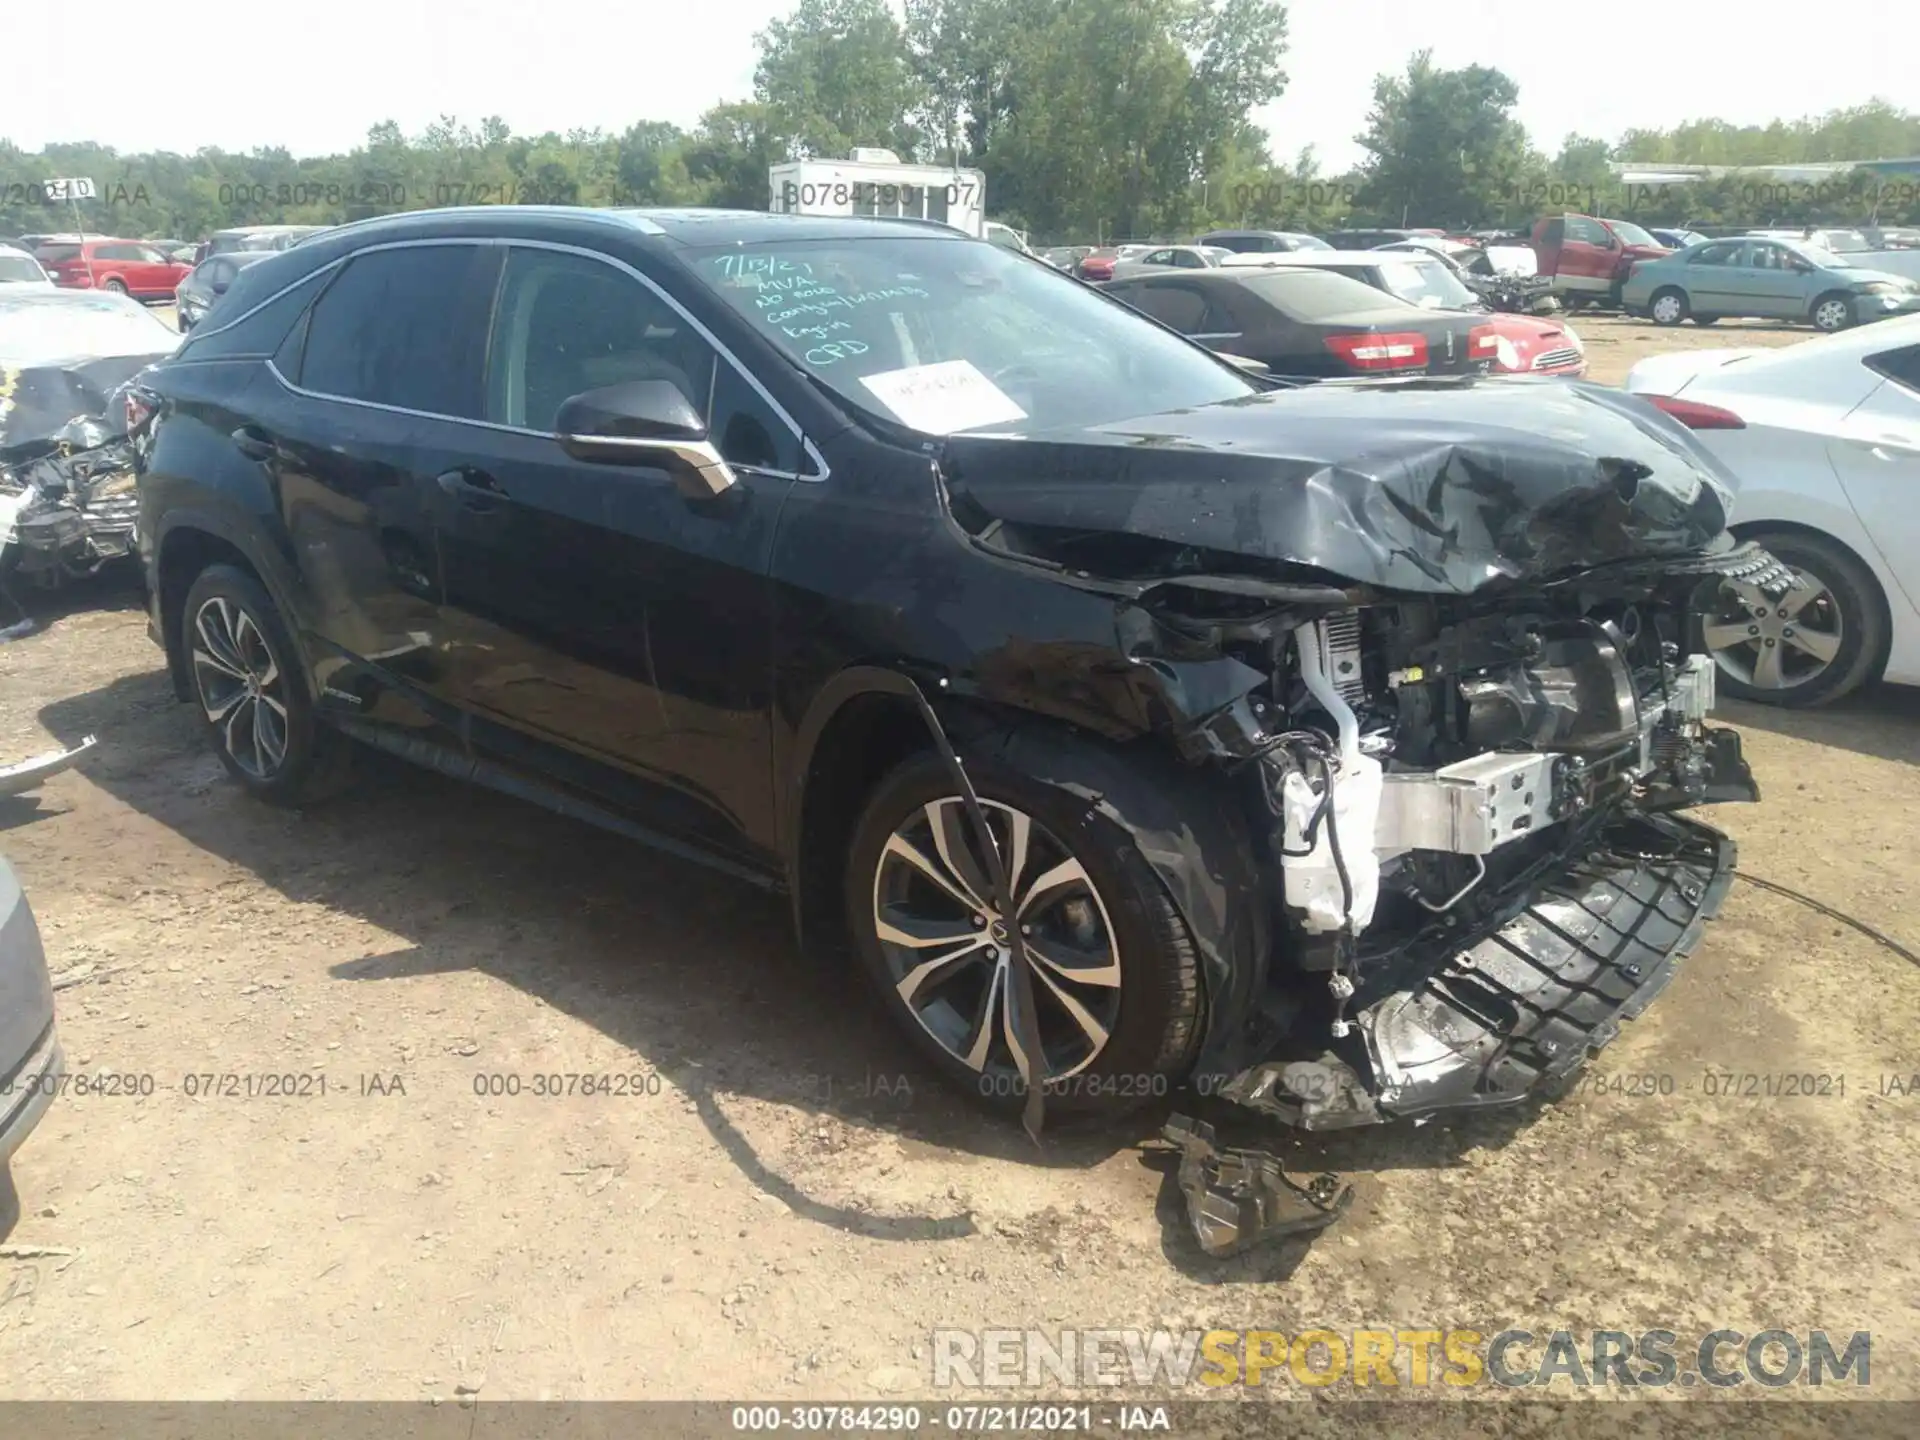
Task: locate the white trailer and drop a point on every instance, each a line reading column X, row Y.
column 877, row 182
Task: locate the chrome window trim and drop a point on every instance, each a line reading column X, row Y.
column 821, row 472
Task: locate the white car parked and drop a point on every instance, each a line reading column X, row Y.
column 18, row 267
column 1824, row 439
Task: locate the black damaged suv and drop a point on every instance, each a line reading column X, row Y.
column 1130, row 719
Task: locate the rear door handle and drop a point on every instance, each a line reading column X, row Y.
column 254, row 444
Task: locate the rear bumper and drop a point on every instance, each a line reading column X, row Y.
column 26, row 1094
column 1518, row 1009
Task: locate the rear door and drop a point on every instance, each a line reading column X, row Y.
column 375, row 395
column 1877, row 456
column 1710, row 277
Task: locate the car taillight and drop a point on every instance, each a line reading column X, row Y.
column 1406, row 351
column 1482, row 343
column 1694, row 415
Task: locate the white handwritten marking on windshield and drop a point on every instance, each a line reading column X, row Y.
column 835, row 350
column 760, row 265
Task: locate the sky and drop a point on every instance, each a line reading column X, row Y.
column 314, row 84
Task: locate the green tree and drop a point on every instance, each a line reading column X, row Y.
column 836, row 74
column 1443, row 147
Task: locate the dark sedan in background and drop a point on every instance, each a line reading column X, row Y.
column 1310, row 324
column 208, row 282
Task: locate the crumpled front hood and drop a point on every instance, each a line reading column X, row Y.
column 38, row 401
column 1422, row 486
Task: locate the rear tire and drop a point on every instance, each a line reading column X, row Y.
column 1668, row 307
column 115, row 284
column 1845, row 621
column 252, row 695
column 1112, row 944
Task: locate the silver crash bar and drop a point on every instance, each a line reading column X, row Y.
column 1475, row 806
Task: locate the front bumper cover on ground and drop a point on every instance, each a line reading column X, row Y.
column 1520, row 1006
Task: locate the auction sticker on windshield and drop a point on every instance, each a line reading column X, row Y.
column 943, row 399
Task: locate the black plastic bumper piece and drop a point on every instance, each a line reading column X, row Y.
column 1237, row 1199
column 1519, row 1009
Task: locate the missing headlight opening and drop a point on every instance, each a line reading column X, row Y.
column 1471, row 802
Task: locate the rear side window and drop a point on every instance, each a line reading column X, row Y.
column 1715, row 255
column 1900, row 366
column 1180, row 306
column 403, row 327
column 238, row 324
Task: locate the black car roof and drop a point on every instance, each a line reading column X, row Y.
column 684, row 226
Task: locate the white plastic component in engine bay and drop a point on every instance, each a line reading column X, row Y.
column 1313, row 883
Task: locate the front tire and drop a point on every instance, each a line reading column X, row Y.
column 1668, row 307
column 252, row 694
column 1809, row 647
column 1116, row 975
column 1832, row 313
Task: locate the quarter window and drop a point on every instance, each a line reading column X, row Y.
column 567, row 324
column 402, row 327
column 1900, row 366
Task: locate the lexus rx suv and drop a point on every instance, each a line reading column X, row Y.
column 1130, row 718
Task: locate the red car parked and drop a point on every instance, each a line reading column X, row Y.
column 131, row 267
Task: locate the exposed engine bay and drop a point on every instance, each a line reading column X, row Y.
column 1469, row 801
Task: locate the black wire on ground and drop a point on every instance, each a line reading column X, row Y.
column 1832, row 914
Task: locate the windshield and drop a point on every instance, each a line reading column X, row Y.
column 946, row 336
column 19, row 267
column 1628, row 233
column 1426, row 283
column 79, row 328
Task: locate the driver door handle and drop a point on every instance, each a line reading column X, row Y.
column 474, row 489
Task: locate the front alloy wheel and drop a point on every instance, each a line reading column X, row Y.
column 1832, row 313
column 948, row 948
column 1114, row 972
column 241, row 688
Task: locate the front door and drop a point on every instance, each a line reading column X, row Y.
column 1779, row 281
column 605, row 628
column 1584, row 266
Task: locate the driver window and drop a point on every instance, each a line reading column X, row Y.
column 566, row 324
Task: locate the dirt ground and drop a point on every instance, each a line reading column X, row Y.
column 785, row 1205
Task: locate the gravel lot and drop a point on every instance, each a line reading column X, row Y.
column 788, row 1205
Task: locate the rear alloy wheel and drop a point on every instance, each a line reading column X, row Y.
column 253, row 700
column 115, row 284
column 1807, row 647
column 1114, row 971
column 1668, row 307
column 1832, row 313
